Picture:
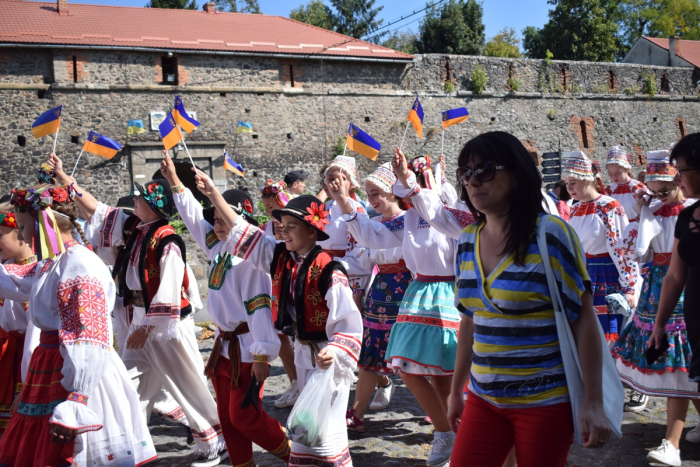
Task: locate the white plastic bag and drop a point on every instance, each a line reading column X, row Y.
column 309, row 422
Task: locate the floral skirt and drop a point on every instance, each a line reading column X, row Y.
column 605, row 280
column 667, row 376
column 382, row 308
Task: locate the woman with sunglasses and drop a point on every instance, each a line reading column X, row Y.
column 508, row 345
column 623, row 187
column 652, row 238
column 599, row 221
column 423, row 342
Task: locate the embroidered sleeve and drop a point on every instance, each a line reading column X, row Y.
column 448, row 195
column 163, row 315
column 449, row 221
column 16, row 281
column 403, row 192
column 192, row 214
column 615, row 222
column 372, row 234
column 345, row 322
column 84, row 337
column 255, row 291
column 249, row 243
column 105, row 228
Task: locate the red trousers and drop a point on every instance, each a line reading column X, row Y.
column 542, row 436
column 11, row 351
column 243, row 427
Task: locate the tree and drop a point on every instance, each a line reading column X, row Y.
column 403, row 41
column 577, row 30
column 455, row 28
column 677, row 18
column 314, row 13
column 250, row 6
column 356, row 18
column 504, row 44
column 174, row 4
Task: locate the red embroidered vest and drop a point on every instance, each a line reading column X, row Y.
column 314, row 277
column 160, row 235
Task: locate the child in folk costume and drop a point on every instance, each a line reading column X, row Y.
column 239, row 304
column 383, row 299
column 14, row 318
column 274, row 196
column 423, row 341
column 310, row 292
column 161, row 350
column 652, row 236
column 77, row 406
column 340, row 243
column 599, row 221
column 624, row 187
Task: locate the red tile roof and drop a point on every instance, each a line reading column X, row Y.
column 29, row 22
column 687, row 50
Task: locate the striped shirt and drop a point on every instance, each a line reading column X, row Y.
column 516, row 360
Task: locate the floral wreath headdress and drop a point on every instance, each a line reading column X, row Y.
column 278, row 189
column 421, row 164
column 47, row 241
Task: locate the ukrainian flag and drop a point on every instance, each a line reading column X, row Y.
column 48, row 123
column 101, row 145
column 454, row 116
column 233, row 166
column 135, row 126
column 169, row 132
column 362, row 143
column 181, row 118
column 415, row 116
column 244, row 127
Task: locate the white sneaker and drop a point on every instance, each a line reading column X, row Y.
column 212, row 460
column 443, row 442
column 637, row 402
column 383, row 397
column 666, row 454
column 289, row 397
column 693, row 436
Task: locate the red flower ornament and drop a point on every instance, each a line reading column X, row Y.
column 317, row 216
column 59, row 194
column 248, row 207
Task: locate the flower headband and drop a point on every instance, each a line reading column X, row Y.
column 7, row 219
column 30, row 198
column 278, row 189
column 421, row 164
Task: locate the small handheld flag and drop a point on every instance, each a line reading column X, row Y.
column 244, row 127
column 181, row 118
column 454, row 116
column 233, row 166
column 47, row 123
column 101, row 145
column 415, row 116
column 135, row 126
column 169, row 132
column 362, row 143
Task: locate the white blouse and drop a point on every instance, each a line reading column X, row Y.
column 600, row 223
column 73, row 294
column 624, row 194
column 243, row 295
column 13, row 314
column 343, row 323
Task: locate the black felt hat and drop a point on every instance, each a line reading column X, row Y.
column 158, row 196
column 126, row 203
column 240, row 201
column 309, row 209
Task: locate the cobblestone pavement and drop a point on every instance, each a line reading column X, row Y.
column 397, row 437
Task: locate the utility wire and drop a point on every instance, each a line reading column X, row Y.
column 415, row 12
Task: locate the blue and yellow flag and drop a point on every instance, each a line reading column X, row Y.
column 415, row 116
column 169, row 132
column 362, row 143
column 233, row 166
column 454, row 116
column 244, row 127
column 101, row 145
column 135, row 126
column 181, row 118
column 48, row 123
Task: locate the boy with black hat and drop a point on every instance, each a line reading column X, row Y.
column 151, row 277
column 239, row 304
column 296, row 182
column 309, row 292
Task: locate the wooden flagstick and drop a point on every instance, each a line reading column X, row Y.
column 76, row 163
column 346, row 146
column 188, row 154
column 55, row 138
column 404, row 135
column 442, row 145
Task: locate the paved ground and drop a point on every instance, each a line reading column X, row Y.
column 396, row 437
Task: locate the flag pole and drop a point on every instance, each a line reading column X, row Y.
column 346, row 146
column 55, row 138
column 189, row 155
column 442, row 145
column 404, row 135
column 76, row 162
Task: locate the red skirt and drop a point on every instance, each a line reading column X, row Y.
column 11, row 350
column 27, row 441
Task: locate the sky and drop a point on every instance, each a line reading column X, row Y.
column 497, row 13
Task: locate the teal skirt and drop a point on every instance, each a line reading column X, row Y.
column 424, row 339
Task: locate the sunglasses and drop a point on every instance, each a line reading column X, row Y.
column 482, row 172
column 661, row 194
